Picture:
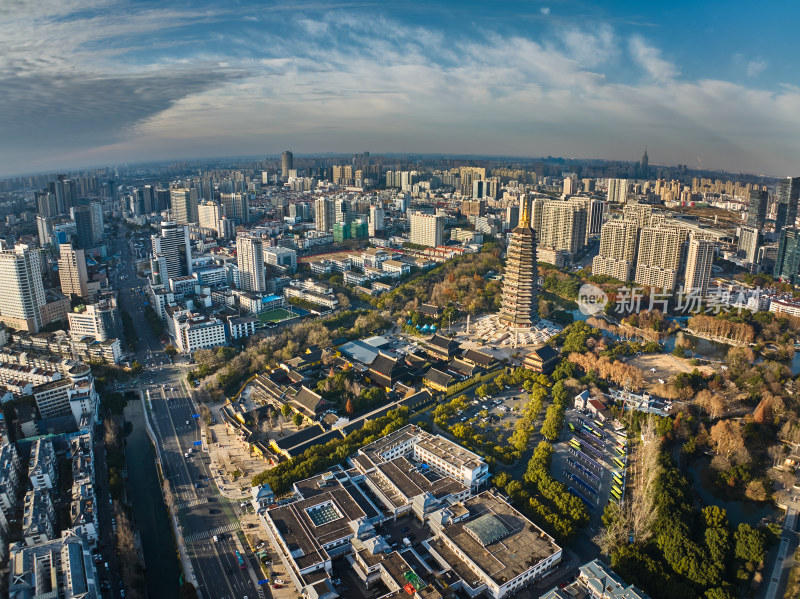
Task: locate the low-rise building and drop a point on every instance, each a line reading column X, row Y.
column 60, row 568
column 195, row 331
column 42, row 465
column 541, row 359
column 240, row 327
column 395, row 268
column 596, row 581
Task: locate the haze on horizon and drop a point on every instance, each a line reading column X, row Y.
column 88, row 82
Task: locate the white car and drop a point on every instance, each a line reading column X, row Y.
column 216, row 539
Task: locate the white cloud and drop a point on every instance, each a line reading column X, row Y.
column 755, row 67
column 650, row 59
column 591, row 48
column 545, row 10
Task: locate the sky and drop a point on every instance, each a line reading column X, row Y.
column 710, row 84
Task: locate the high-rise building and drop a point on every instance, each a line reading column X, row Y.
column 598, row 210
column 84, row 237
column 644, row 166
column 788, row 197
column 101, row 320
column 237, row 207
column 757, row 208
column 787, row 263
column 46, row 203
column 617, row 191
column 698, row 266
column 173, row 244
column 641, row 214
column 570, row 186
column 250, row 259
column 287, row 162
column 324, row 214
column 72, row 272
column 44, row 226
column 342, row 211
column 184, row 205
column 617, row 250
column 22, row 292
column 519, row 309
column 209, row 215
column 660, row 257
column 512, row 215
column 98, row 222
column 427, row 229
column 376, row 219
column 749, row 241
column 563, row 226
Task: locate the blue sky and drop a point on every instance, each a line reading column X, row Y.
column 91, row 82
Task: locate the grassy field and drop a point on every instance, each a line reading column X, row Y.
column 276, row 315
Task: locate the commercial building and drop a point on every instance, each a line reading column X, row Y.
column 22, row 292
column 72, row 271
column 101, row 320
column 749, row 242
column 237, row 207
column 287, row 163
column 174, row 247
column 519, row 308
column 194, row 331
column 617, row 250
column 787, row 263
column 184, row 205
column 250, row 259
column 788, row 198
column 698, row 265
column 757, row 208
column 427, row 229
column 84, row 231
column 209, row 214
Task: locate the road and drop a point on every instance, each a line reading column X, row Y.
column 202, row 511
column 783, row 560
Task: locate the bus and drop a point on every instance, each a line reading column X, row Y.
column 574, row 443
column 615, row 495
column 620, row 452
column 571, row 427
column 598, row 423
column 597, row 434
column 239, row 559
column 618, row 479
column 619, row 463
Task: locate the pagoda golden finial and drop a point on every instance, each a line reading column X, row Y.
column 525, row 217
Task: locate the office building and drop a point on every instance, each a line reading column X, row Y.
column 22, row 292
column 660, row 257
column 72, row 272
column 237, row 207
column 281, row 258
column 287, row 163
column 749, row 241
column 44, row 227
column 101, row 320
column 787, row 263
column 427, row 229
column 324, row 214
column 699, row 259
column 209, row 214
column 617, row 250
column 66, row 193
column 84, row 231
column 184, row 205
column 512, row 216
column 617, row 191
column 757, row 208
column 193, row 332
column 174, row 246
column 788, row 197
column 46, row 204
column 250, row 259
column 519, row 308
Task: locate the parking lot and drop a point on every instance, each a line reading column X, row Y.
column 495, row 415
column 584, row 461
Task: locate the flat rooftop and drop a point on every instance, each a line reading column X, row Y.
column 499, row 539
column 412, row 482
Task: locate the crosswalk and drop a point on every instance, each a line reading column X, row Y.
column 191, row 503
column 199, row 536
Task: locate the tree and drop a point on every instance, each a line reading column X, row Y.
column 749, row 544
column 349, row 409
column 136, row 367
column 286, row 410
column 297, row 419
column 170, row 350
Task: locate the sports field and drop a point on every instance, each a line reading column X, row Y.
column 277, row 315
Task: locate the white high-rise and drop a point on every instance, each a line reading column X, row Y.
column 427, row 229
column 250, row 259
column 21, row 291
column 324, row 212
column 617, row 191
column 173, row 244
column 698, row 266
column 376, row 218
column 184, row 205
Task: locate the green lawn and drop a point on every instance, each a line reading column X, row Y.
column 276, row 315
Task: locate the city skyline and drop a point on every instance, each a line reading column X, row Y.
column 92, row 82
